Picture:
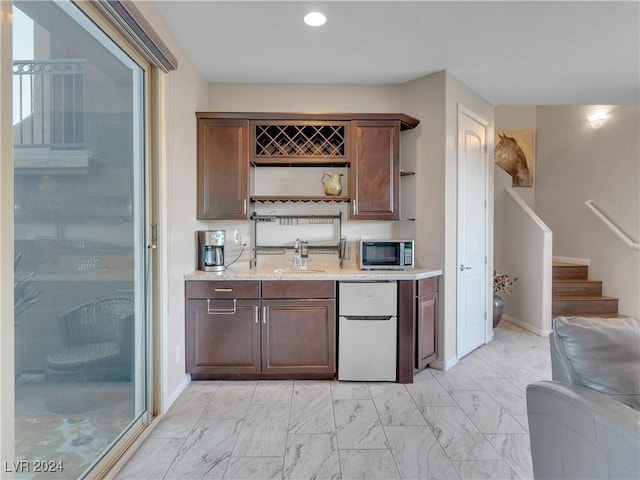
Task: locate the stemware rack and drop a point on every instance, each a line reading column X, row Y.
column 337, row 248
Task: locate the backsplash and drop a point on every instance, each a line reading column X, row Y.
column 286, row 234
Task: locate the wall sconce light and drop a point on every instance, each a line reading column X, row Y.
column 597, row 120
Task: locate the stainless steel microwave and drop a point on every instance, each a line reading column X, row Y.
column 386, row 254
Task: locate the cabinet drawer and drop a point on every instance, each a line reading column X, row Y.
column 298, row 289
column 427, row 285
column 223, row 289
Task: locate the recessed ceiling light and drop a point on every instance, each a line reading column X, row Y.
column 315, row 19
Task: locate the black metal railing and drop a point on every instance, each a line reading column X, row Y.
column 50, row 103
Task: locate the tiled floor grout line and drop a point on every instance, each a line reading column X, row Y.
column 286, row 440
column 335, row 427
column 235, row 441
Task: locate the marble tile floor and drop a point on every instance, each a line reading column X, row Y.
column 469, row 422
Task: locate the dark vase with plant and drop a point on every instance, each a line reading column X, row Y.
column 501, row 284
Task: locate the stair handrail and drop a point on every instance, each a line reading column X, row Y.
column 612, row 226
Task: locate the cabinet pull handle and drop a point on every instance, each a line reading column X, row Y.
column 244, row 206
column 354, row 207
column 223, row 289
column 264, row 315
column 221, row 310
column 255, row 312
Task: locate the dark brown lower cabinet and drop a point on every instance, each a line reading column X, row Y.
column 289, row 334
column 298, row 336
column 426, row 321
column 299, row 327
column 222, row 339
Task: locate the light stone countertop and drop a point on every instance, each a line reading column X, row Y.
column 346, row 274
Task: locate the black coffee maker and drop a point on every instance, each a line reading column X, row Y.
column 211, row 250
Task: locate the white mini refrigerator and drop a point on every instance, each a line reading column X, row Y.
column 367, row 331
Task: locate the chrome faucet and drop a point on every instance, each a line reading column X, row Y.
column 300, row 259
column 296, row 261
column 304, row 255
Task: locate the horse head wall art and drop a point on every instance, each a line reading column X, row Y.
column 513, row 153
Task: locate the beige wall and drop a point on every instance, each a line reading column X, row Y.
column 576, row 163
column 311, row 98
column 527, row 255
column 425, row 98
column 182, row 93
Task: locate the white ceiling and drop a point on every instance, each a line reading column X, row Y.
column 510, row 52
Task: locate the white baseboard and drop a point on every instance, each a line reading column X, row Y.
column 577, row 261
column 444, row 365
column 538, row 331
column 176, row 393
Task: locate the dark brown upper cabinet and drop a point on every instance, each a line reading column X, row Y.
column 375, row 170
column 223, row 169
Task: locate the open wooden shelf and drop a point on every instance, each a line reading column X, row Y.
column 302, row 161
column 298, row 198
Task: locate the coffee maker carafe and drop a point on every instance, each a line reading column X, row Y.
column 211, row 250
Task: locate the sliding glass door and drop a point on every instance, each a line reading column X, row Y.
column 81, row 266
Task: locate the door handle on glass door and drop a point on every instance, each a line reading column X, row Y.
column 463, row 268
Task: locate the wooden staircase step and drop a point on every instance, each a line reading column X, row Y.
column 583, row 304
column 563, row 271
column 571, row 286
column 599, row 315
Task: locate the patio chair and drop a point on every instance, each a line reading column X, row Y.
column 98, row 343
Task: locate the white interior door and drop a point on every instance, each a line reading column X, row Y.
column 472, row 227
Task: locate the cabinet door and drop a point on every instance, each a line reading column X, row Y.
column 426, row 321
column 223, row 169
column 298, row 336
column 375, row 170
column 221, row 338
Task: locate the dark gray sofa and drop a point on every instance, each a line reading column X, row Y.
column 585, row 424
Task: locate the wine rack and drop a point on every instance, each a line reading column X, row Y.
column 291, row 142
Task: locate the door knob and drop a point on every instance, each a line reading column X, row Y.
column 463, row 268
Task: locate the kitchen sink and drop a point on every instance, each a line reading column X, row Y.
column 292, row 271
